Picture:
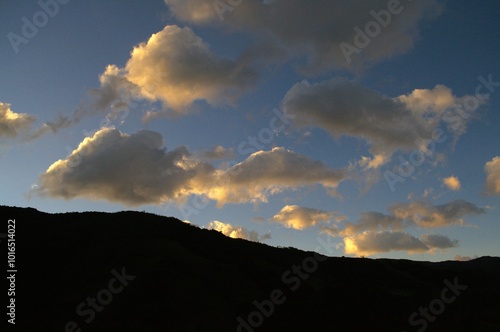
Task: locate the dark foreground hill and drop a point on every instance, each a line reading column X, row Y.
column 132, row 271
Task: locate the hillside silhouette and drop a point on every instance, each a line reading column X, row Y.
column 183, row 278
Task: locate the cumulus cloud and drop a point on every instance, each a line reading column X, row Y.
column 377, row 232
column 345, row 108
column 492, row 169
column 136, row 169
column 130, row 169
column 298, row 217
column 437, row 100
column 315, row 30
column 372, row 242
column 13, row 124
column 265, row 173
column 372, row 221
column 236, row 232
column 176, row 67
column 452, row 183
column 426, row 215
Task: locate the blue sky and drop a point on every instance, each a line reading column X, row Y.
column 274, row 121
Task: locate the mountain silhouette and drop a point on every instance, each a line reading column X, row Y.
column 135, row 271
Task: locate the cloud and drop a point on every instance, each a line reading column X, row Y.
column 372, row 221
column 176, row 67
column 314, row 31
column 452, row 182
column 437, row 100
column 404, row 215
column 236, row 232
column 371, row 242
column 464, row 258
column 492, row 169
column 436, row 241
column 53, row 126
column 130, row 169
column 216, row 153
column 265, row 173
column 297, row 217
column 425, row 215
column 345, row 108
column 136, row 169
column 13, row 124
column 377, row 232
column 115, row 91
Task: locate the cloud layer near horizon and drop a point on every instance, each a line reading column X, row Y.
column 377, row 232
column 369, row 243
column 237, row 232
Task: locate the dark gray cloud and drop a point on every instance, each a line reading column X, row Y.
column 369, row 243
column 342, row 107
column 315, row 30
column 130, row 169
